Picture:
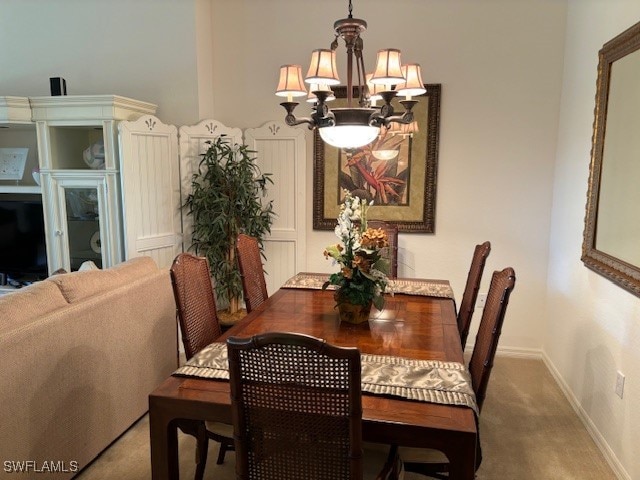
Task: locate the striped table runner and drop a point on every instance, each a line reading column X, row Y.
column 422, row 380
column 410, row 286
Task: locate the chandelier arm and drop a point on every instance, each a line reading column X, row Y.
column 327, row 121
column 349, row 74
column 405, row 119
column 386, row 115
column 363, row 90
column 321, row 114
column 387, row 109
column 291, row 120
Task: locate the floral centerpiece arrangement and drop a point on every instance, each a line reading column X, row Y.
column 362, row 278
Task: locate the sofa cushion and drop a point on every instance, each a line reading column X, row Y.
column 28, row 303
column 76, row 286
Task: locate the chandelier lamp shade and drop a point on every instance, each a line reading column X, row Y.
column 358, row 123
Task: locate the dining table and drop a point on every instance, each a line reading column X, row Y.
column 414, row 324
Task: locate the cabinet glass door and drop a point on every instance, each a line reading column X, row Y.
column 83, row 226
column 82, row 218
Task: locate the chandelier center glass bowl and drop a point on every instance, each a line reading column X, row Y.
column 352, row 126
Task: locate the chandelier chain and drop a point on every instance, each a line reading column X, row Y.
column 350, row 9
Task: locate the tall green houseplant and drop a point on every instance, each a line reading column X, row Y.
column 225, row 200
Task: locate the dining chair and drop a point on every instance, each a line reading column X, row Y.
column 433, row 463
column 297, row 410
column 470, row 295
column 254, row 286
column 392, row 236
column 199, row 326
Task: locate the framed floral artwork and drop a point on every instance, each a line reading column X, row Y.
column 398, row 170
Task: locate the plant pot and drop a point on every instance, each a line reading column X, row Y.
column 352, row 313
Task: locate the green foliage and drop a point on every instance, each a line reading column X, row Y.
column 226, row 201
column 360, row 289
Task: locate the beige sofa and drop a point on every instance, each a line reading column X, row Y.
column 79, row 354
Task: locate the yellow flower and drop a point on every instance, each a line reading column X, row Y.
column 334, row 251
column 374, row 238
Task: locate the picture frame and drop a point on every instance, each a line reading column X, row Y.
column 12, row 162
column 403, row 189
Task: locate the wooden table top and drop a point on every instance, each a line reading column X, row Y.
column 410, row 326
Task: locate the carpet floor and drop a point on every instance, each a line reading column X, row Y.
column 528, row 431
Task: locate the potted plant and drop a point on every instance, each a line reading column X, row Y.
column 361, row 280
column 225, row 200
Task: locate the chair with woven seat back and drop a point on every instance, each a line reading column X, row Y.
column 433, row 463
column 392, row 236
column 199, row 326
column 297, row 410
column 254, row 286
column 470, row 295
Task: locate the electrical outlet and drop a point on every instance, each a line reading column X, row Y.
column 619, row 384
column 482, row 299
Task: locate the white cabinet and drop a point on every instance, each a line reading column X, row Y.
column 114, row 177
column 81, row 176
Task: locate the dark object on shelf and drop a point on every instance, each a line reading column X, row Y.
column 58, row 86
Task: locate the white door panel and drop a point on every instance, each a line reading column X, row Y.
column 281, row 151
column 150, row 189
column 193, row 143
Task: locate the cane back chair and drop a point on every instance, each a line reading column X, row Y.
column 199, row 326
column 254, row 286
column 297, row 409
column 433, row 463
column 470, row 295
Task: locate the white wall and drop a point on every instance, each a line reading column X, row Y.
column 500, row 65
column 144, row 49
column 593, row 328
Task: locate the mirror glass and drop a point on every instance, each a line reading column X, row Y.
column 612, row 232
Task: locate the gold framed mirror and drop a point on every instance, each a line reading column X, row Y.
column 611, row 244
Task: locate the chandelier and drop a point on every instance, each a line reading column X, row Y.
column 351, row 126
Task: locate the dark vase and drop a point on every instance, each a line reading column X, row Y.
column 350, row 312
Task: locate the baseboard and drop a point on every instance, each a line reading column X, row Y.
column 597, row 437
column 515, row 352
column 512, row 352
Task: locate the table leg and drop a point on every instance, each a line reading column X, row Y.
column 164, row 444
column 462, row 460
